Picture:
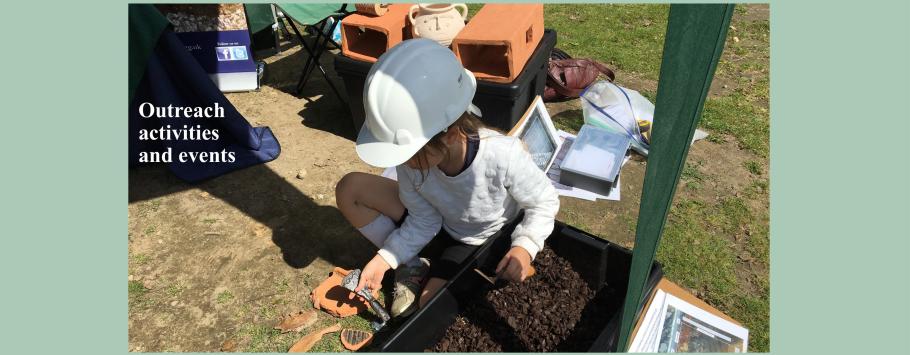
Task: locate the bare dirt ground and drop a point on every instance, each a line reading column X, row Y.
column 213, row 266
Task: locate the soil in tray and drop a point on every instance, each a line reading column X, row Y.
column 555, row 310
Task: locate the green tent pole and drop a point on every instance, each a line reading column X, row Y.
column 694, row 41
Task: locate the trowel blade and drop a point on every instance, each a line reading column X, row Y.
column 491, row 280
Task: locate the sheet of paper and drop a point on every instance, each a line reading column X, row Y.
column 671, row 324
column 688, row 328
column 649, row 328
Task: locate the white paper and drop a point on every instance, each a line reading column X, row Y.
column 669, row 317
column 702, row 325
column 649, row 326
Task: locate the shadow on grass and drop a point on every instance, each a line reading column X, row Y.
column 325, row 110
column 298, row 224
column 569, row 120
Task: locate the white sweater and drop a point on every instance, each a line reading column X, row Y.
column 473, row 205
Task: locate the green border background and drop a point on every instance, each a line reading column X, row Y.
column 839, row 177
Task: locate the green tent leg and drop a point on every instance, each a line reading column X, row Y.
column 694, row 42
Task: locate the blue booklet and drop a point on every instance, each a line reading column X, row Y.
column 218, row 37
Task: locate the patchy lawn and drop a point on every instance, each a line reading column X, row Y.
column 214, row 266
column 716, row 242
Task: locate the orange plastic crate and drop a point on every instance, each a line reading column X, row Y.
column 497, row 42
column 368, row 37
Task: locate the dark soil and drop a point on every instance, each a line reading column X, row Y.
column 551, row 311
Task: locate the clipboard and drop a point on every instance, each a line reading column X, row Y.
column 673, row 289
column 536, row 130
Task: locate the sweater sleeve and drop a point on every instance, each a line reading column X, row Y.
column 534, row 192
column 419, row 227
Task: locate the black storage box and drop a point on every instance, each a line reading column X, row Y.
column 501, row 104
column 603, row 265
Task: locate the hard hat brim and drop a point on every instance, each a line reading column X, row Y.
column 385, row 154
column 382, row 154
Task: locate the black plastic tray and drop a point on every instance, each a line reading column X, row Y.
column 502, row 104
column 605, row 266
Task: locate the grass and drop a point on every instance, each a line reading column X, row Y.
column 174, row 289
column 140, row 259
column 735, row 115
column 692, row 177
column 224, row 297
column 282, row 286
column 698, row 252
column 264, row 338
column 716, row 246
column 577, row 220
column 753, row 167
column 149, row 207
column 629, row 38
column 694, row 256
column 136, row 289
column 138, row 295
column 261, row 337
column 757, row 188
column 569, row 121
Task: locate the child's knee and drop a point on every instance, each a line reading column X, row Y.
column 345, row 189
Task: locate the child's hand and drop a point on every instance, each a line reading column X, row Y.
column 371, row 276
column 515, row 265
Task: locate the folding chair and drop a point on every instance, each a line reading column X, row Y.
column 316, row 17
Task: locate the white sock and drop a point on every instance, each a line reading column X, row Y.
column 378, row 230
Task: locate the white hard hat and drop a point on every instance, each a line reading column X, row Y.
column 414, row 91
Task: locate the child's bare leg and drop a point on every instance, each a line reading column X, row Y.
column 430, row 289
column 362, row 197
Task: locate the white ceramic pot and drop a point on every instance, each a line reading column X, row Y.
column 439, row 22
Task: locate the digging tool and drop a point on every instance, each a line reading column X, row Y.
column 493, row 279
column 350, row 282
column 306, row 343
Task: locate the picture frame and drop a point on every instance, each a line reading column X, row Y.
column 536, row 130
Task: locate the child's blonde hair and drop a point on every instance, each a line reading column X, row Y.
column 466, row 125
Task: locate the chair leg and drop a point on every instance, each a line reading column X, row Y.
column 315, row 53
column 303, row 75
column 319, row 46
column 332, row 85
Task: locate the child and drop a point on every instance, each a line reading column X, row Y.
column 453, row 174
